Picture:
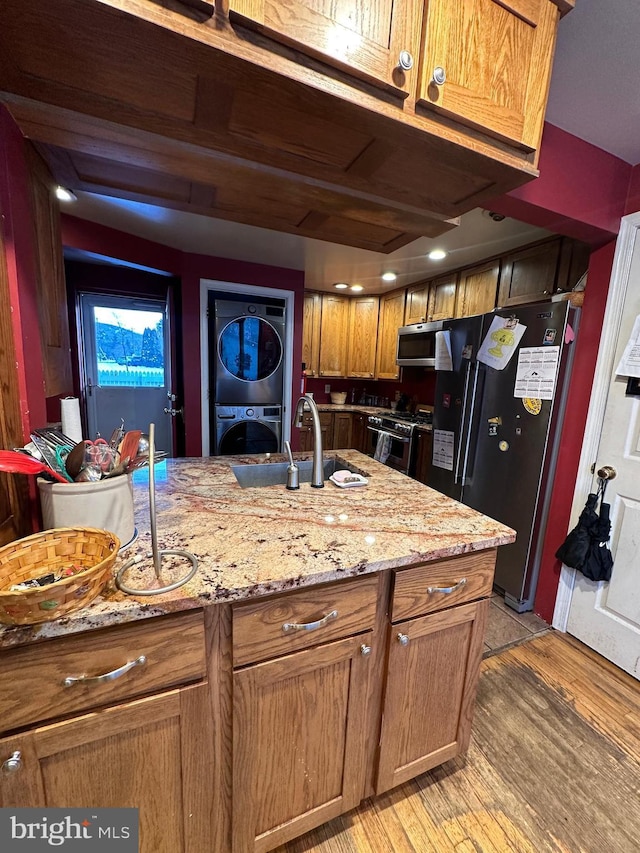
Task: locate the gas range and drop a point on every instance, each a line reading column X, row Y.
column 401, row 423
column 392, row 438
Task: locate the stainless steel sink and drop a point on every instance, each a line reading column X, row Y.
column 251, row 476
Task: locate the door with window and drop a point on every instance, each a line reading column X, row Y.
column 126, row 366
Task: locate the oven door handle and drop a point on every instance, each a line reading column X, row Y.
column 403, row 438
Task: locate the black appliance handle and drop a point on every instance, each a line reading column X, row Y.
column 463, row 456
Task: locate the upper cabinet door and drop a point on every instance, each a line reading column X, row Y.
column 492, row 62
column 370, row 40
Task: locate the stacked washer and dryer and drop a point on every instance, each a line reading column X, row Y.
column 248, row 369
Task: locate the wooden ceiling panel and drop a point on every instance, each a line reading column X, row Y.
column 105, row 65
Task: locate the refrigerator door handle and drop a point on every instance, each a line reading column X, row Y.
column 468, row 403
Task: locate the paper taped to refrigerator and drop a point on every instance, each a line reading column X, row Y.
column 500, row 342
column 630, row 362
column 443, row 351
column 443, row 442
column 536, row 372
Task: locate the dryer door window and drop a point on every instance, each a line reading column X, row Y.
column 248, row 437
column 250, row 348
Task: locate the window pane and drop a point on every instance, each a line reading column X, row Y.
column 130, row 347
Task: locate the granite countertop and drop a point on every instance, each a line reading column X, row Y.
column 264, row 540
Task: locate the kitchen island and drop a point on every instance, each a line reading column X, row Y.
column 326, row 650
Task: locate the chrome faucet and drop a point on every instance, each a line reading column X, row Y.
column 317, row 475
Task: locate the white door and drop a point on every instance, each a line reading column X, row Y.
column 126, row 366
column 606, row 616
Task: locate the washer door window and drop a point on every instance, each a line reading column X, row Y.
column 248, row 437
column 250, row 349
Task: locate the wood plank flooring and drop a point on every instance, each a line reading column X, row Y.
column 553, row 767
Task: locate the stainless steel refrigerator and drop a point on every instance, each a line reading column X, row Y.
column 497, row 431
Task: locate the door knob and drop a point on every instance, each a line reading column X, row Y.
column 607, row 473
column 174, row 412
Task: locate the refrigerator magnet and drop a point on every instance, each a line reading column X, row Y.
column 549, row 336
column 532, row 404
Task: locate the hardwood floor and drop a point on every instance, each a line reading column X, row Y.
column 553, row 767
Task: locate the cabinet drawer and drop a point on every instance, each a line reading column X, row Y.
column 435, row 586
column 32, row 678
column 265, row 629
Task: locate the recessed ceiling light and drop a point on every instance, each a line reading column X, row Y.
column 357, row 287
column 340, row 285
column 389, row 276
column 63, row 194
column 437, row 254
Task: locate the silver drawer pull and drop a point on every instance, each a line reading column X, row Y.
column 107, row 676
column 309, row 626
column 445, row 590
column 11, row 765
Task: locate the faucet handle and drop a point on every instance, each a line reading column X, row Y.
column 293, row 472
column 287, row 447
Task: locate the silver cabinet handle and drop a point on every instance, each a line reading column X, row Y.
column 405, row 60
column 107, row 676
column 439, row 76
column 12, row 764
column 403, row 639
column 365, row 650
column 445, row 590
column 309, row 626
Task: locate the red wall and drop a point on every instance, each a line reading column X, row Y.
column 18, row 233
column 587, row 341
column 582, row 192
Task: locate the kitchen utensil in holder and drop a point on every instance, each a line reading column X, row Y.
column 156, row 554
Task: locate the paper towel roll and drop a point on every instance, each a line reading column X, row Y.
column 71, row 425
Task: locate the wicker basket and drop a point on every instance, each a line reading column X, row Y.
column 53, row 550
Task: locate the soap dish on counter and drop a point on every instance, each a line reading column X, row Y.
column 346, row 479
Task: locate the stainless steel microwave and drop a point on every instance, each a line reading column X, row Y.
column 417, row 344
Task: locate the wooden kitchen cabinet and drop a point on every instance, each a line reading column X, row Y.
column 326, row 430
column 151, row 754
column 424, row 439
column 438, row 615
column 299, row 717
column 311, row 314
column 342, row 430
column 292, row 116
column 434, row 664
column 529, row 274
column 416, row 310
column 89, row 745
column 487, row 64
column 477, row 289
column 362, row 337
column 390, row 319
column 360, row 435
column 365, row 39
column 298, row 742
column 442, row 297
column 572, row 264
column 334, row 329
